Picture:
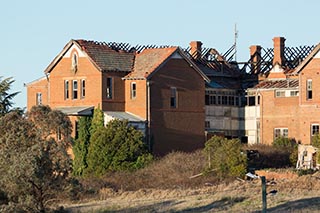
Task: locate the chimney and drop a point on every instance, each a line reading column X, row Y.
column 255, row 56
column 195, row 50
column 278, row 45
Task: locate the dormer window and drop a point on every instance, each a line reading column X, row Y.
column 74, row 62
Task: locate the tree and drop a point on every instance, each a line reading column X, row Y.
column 226, row 157
column 97, row 120
column 6, row 97
column 316, row 143
column 81, row 145
column 116, row 147
column 34, row 168
column 51, row 123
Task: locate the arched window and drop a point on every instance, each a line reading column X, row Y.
column 74, row 63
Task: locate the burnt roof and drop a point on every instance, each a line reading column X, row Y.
column 278, row 84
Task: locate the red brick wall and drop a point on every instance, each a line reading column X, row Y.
column 40, row 86
column 137, row 105
column 180, row 128
column 87, row 71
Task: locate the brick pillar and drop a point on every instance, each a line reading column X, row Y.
column 195, row 50
column 255, row 56
column 278, row 45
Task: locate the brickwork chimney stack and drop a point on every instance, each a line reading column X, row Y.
column 195, row 50
column 255, row 56
column 278, row 45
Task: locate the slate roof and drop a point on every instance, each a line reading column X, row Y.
column 106, row 58
column 148, row 61
column 278, row 84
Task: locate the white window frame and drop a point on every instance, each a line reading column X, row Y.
column 75, row 89
column 109, row 88
column 309, row 89
column 66, row 90
column 39, row 98
column 133, row 90
column 283, row 132
column 314, row 129
column 83, row 88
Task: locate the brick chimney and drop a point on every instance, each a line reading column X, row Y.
column 255, row 56
column 195, row 50
column 278, row 45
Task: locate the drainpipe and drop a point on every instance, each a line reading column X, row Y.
column 148, row 132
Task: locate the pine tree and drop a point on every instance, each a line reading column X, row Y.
column 6, row 97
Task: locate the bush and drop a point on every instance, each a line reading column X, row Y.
column 116, row 147
column 290, row 146
column 226, row 157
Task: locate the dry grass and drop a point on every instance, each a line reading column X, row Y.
column 165, row 186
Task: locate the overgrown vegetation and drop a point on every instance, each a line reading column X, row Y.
column 316, row 143
column 226, row 157
column 116, row 147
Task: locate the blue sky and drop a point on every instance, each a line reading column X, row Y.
column 34, row 32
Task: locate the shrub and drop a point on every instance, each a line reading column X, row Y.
column 116, row 147
column 226, row 157
column 290, row 146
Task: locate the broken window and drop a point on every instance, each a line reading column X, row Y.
column 109, row 88
column 314, row 129
column 281, row 132
column 309, row 89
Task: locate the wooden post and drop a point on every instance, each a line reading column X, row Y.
column 264, row 194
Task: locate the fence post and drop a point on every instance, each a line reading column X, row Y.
column 264, row 194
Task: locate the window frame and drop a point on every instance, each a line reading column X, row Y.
column 66, row 90
column 109, row 88
column 133, row 90
column 173, row 97
column 314, row 129
column 83, row 88
column 75, row 87
column 280, row 132
column 309, row 89
column 38, row 98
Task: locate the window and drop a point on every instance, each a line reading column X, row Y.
column 309, row 89
column 281, row 132
column 75, row 89
column 280, row 93
column 66, row 89
column 83, row 88
column 74, row 62
column 251, row 100
column 207, row 124
column 38, row 98
column 294, row 93
column 109, row 88
column 314, row 129
column 173, row 97
column 133, row 90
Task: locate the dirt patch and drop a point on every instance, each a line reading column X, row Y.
column 276, row 175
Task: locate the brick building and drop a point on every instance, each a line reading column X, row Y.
column 286, row 100
column 158, row 89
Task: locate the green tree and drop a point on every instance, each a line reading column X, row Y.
column 34, row 169
column 6, row 97
column 81, row 146
column 97, row 120
column 225, row 157
column 116, row 147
